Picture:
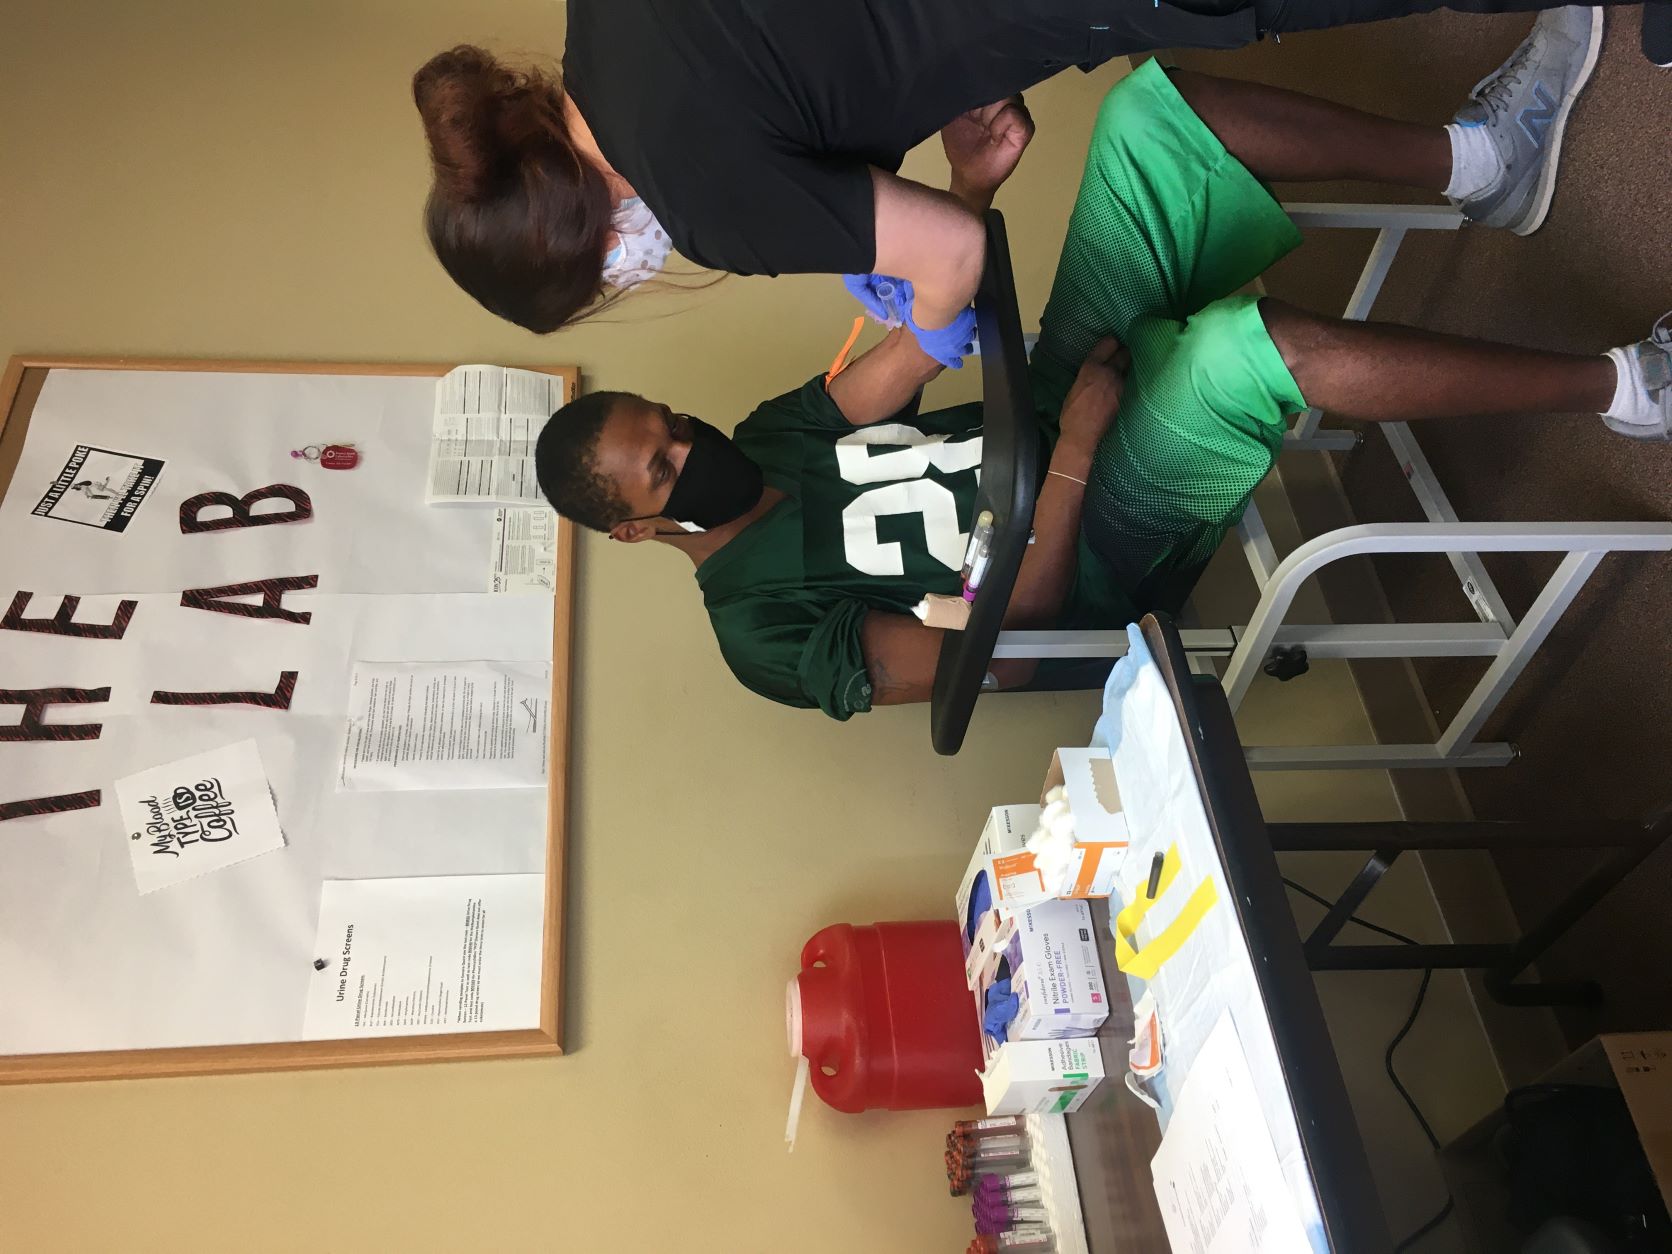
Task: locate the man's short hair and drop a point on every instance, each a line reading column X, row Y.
column 565, row 462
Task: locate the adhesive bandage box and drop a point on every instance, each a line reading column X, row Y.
column 1041, row 1077
column 1055, row 972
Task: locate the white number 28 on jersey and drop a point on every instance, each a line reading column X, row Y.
column 901, row 489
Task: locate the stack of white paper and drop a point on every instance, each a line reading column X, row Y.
column 446, row 953
column 525, row 550
column 487, row 419
column 428, row 725
column 1216, row 1174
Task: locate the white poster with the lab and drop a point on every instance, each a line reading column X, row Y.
column 176, row 582
column 406, row 957
column 187, row 818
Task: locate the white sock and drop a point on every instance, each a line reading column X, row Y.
column 1631, row 401
column 1475, row 163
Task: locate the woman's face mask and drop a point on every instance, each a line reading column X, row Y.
column 642, row 246
column 718, row 483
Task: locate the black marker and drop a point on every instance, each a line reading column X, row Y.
column 1155, row 874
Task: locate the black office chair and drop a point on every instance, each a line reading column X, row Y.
column 1009, row 483
column 1010, row 475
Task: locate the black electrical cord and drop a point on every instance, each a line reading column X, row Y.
column 1444, row 1212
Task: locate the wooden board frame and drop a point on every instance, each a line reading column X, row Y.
column 20, row 387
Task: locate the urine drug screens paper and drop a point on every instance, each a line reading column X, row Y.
column 446, row 725
column 487, row 419
column 1216, row 1174
column 432, row 954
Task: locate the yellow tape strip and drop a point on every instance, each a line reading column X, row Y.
column 1144, row 964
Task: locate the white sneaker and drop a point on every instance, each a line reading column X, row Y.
column 1523, row 107
column 1650, row 365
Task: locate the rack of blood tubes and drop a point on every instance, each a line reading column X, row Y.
column 991, row 1162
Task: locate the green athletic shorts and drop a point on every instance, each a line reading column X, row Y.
column 1166, row 227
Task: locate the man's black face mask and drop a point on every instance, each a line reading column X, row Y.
column 717, row 484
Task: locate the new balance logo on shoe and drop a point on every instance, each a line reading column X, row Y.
column 1536, row 119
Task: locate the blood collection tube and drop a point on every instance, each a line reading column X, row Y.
column 981, row 535
column 998, row 1149
column 1035, row 1240
column 981, row 554
column 991, row 1165
column 959, row 1175
column 1001, row 1218
column 997, row 1124
column 890, row 296
column 1031, row 1240
column 993, row 1188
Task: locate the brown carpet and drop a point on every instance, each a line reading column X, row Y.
column 1592, row 715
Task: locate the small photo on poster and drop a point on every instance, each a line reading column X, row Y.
column 99, row 488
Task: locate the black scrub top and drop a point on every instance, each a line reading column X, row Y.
column 748, row 125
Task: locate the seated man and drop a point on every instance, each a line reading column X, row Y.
column 1162, row 396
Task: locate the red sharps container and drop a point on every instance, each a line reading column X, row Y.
column 884, row 1019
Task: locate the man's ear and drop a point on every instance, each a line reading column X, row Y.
column 634, row 531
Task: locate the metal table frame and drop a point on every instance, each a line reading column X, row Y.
column 1010, row 459
column 1502, row 963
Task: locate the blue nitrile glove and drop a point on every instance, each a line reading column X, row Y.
column 1001, row 1008
column 949, row 344
column 886, row 298
column 981, row 901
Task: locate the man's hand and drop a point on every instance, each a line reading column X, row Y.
column 983, row 147
column 1093, row 401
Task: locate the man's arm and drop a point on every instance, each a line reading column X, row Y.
column 900, row 657
column 883, row 380
column 983, row 147
column 901, row 653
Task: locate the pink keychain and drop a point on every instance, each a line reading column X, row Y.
column 329, row 456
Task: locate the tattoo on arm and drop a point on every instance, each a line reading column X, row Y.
column 900, row 655
column 886, row 687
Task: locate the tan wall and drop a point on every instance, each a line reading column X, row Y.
column 244, row 180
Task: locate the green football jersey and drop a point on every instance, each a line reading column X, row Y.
column 874, row 517
column 1166, row 227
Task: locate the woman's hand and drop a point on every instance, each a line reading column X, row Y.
column 1090, row 407
column 983, row 147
